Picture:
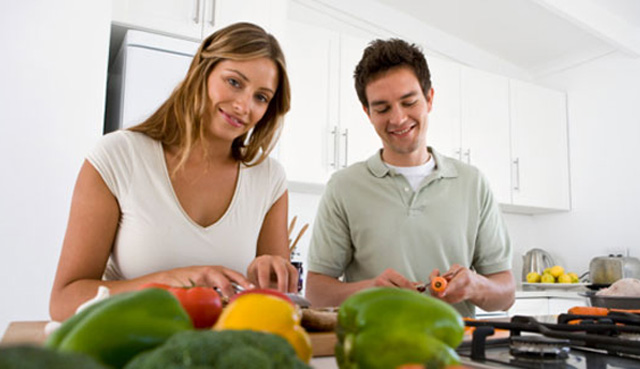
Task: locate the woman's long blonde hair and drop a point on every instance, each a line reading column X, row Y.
column 182, row 119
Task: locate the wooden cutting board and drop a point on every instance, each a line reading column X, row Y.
column 32, row 332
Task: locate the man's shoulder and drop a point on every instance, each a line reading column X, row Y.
column 354, row 173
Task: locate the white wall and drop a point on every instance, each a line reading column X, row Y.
column 53, row 71
column 604, row 132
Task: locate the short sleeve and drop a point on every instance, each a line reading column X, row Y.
column 330, row 250
column 278, row 180
column 111, row 157
column 493, row 246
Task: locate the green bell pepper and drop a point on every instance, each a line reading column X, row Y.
column 119, row 327
column 388, row 327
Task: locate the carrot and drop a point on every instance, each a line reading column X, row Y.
column 588, row 310
column 438, row 284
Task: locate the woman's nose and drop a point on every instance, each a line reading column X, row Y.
column 242, row 103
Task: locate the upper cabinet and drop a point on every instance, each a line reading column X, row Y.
column 469, row 121
column 195, row 19
column 539, row 147
column 514, row 132
column 326, row 128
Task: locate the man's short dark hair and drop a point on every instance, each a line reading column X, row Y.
column 383, row 55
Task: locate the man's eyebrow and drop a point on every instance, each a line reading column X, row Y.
column 405, row 96
column 247, row 79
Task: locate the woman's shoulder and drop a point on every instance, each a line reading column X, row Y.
column 268, row 166
column 126, row 141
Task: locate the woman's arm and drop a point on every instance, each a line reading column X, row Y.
column 93, row 222
column 272, row 258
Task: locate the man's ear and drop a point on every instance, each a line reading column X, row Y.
column 366, row 110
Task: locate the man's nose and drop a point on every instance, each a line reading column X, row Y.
column 398, row 115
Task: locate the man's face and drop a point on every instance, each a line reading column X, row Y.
column 399, row 111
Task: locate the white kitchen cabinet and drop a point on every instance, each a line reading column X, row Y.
column 470, row 121
column 538, row 303
column 539, row 147
column 326, row 128
column 194, row 19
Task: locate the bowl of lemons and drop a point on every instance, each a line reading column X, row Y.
column 555, row 277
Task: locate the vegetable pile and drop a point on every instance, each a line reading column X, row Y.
column 155, row 327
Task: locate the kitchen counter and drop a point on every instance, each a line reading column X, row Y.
column 32, row 332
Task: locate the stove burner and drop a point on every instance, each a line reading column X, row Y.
column 539, row 348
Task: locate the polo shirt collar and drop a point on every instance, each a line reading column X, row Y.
column 444, row 166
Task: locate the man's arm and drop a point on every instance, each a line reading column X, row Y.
column 323, row 290
column 489, row 292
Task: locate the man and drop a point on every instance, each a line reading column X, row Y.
column 407, row 213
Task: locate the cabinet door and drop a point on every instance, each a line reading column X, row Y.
column 307, row 147
column 359, row 139
column 444, row 120
column 485, row 128
column 560, row 305
column 221, row 13
column 539, row 147
column 179, row 17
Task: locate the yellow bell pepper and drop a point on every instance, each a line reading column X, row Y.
column 266, row 313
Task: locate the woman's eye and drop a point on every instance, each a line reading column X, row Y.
column 262, row 98
column 233, row 82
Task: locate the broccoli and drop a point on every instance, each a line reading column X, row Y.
column 35, row 357
column 220, row 349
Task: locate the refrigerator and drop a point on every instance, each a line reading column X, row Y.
column 146, row 69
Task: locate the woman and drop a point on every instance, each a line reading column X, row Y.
column 190, row 195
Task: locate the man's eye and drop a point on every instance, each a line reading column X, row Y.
column 410, row 103
column 382, row 110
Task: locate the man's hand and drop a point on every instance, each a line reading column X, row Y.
column 489, row 292
column 391, row 278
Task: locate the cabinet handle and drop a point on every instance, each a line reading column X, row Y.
column 458, row 153
column 516, row 163
column 346, row 147
column 468, row 155
column 212, row 20
column 334, row 133
column 196, row 12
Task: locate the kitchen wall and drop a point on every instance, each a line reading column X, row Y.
column 53, row 70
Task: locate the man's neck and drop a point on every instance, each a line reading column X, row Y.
column 413, row 159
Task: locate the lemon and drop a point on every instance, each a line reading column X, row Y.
column 564, row 278
column 547, row 278
column 546, row 271
column 557, row 271
column 574, row 277
column 533, row 277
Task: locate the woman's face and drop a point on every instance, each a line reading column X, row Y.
column 239, row 95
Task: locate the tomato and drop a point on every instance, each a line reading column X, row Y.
column 263, row 291
column 203, row 304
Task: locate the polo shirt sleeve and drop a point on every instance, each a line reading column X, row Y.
column 493, row 246
column 330, row 249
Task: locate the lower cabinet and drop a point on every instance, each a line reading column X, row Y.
column 537, row 303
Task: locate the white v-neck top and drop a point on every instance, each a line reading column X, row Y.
column 155, row 233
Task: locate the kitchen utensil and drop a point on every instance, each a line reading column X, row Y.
column 536, row 260
column 291, row 226
column 293, row 245
column 296, row 298
column 611, row 268
column 612, row 302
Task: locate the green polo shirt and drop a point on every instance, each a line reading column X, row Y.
column 370, row 219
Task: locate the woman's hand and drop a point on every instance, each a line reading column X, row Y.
column 268, row 270
column 214, row 276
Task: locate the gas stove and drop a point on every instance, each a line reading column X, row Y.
column 570, row 342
